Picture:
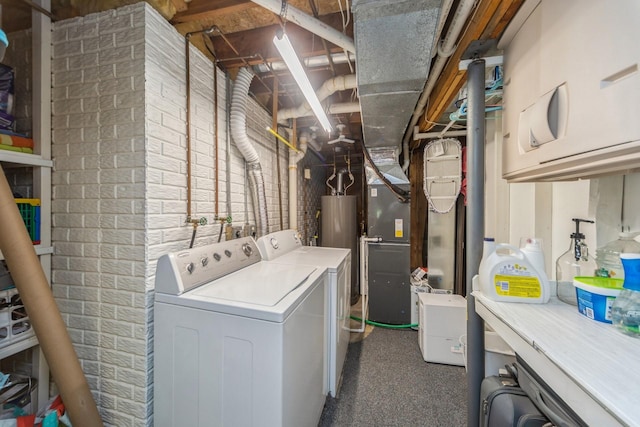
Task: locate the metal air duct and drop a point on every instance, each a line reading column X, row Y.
column 393, row 42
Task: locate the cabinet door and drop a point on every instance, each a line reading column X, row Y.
column 592, row 46
column 522, row 69
column 589, row 49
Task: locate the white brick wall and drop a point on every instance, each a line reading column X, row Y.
column 98, row 200
column 119, row 187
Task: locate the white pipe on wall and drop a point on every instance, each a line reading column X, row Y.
column 364, row 278
column 294, row 158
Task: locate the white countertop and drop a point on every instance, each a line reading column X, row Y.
column 594, row 368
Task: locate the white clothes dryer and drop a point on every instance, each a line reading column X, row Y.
column 285, row 247
column 237, row 341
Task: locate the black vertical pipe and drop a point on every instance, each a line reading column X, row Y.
column 475, row 233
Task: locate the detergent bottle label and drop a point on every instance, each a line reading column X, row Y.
column 515, row 280
column 517, row 286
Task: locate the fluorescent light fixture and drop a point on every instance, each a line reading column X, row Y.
column 293, row 63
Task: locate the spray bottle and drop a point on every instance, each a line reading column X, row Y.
column 574, row 262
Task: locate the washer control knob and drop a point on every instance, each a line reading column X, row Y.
column 227, row 252
column 216, row 256
column 190, row 267
column 204, row 261
column 247, row 249
column 274, row 243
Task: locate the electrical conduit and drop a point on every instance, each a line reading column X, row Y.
column 238, row 119
column 445, row 49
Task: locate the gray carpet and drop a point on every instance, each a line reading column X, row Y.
column 387, row 383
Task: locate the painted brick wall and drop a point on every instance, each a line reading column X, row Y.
column 98, row 147
column 119, row 187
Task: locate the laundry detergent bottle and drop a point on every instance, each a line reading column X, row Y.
column 508, row 275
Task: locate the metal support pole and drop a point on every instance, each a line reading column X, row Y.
column 475, row 233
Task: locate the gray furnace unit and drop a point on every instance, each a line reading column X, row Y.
column 388, row 268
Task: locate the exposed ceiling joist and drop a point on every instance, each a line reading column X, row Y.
column 244, row 43
column 208, row 10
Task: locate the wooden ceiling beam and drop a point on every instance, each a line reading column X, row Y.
column 489, row 21
column 208, row 10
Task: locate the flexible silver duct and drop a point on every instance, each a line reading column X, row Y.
column 238, row 119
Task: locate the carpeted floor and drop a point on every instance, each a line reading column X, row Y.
column 387, row 383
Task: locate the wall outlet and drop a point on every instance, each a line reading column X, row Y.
column 233, row 232
column 249, row 230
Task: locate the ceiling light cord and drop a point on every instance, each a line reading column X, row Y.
column 283, row 13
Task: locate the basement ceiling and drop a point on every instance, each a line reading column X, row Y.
column 243, row 33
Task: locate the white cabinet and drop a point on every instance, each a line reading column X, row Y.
column 572, row 91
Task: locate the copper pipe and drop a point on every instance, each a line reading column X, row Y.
column 275, row 126
column 216, row 142
column 188, row 119
column 187, row 52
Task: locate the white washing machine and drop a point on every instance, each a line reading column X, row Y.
column 238, row 341
column 286, row 247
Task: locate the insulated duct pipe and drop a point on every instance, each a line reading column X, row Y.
column 47, row 322
column 344, row 108
column 475, row 233
column 294, row 158
column 328, row 87
column 238, row 118
column 308, row 22
column 445, row 50
column 308, row 62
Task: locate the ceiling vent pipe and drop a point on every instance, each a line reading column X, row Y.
column 399, row 35
column 238, row 119
column 328, row 87
column 294, row 158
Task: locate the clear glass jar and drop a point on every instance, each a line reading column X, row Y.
column 608, row 256
column 574, row 262
column 625, row 312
